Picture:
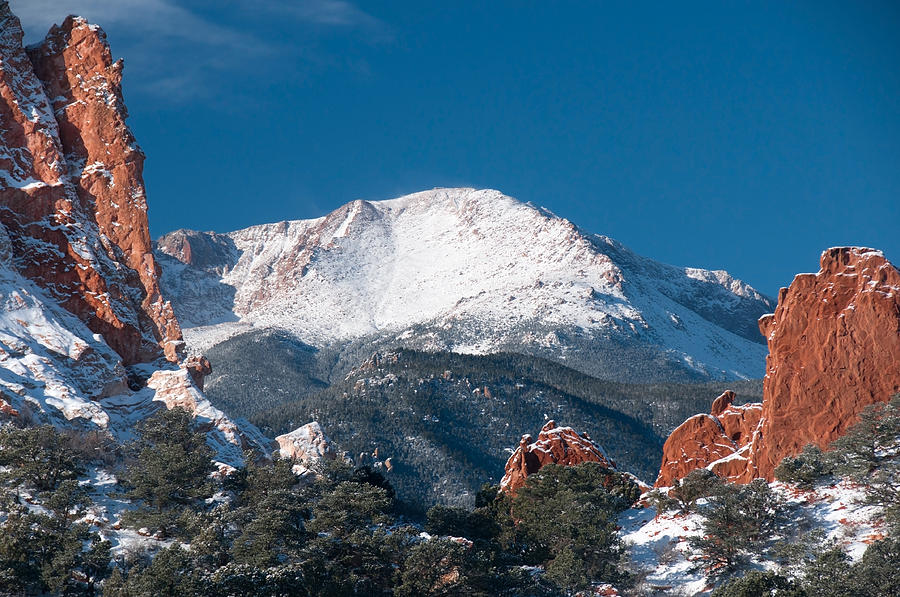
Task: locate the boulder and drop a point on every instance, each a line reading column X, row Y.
column 306, row 444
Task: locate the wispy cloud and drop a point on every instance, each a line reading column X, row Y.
column 336, row 13
column 161, row 17
column 175, row 48
column 168, row 18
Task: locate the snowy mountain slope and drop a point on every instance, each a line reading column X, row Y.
column 464, row 270
column 54, row 370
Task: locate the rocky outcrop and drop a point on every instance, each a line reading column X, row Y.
column 175, row 389
column 7, row 409
column 72, row 196
column 834, row 348
column 79, row 292
column 198, row 367
column 306, row 444
column 207, row 251
column 554, row 445
column 721, row 439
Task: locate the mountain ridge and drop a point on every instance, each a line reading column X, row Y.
column 465, row 270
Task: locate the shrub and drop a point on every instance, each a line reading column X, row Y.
column 869, row 453
column 757, row 583
column 39, row 457
column 877, row 573
column 738, row 523
column 699, row 483
column 806, row 468
column 451, row 520
column 828, row 575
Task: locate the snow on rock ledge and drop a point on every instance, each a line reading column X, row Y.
column 307, row 444
column 176, row 389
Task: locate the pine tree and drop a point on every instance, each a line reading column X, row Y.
column 570, row 512
column 38, row 457
column 171, row 470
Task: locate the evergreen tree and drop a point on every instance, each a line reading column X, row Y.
column 271, row 512
column 806, row 468
column 869, row 453
column 38, row 457
column 738, row 523
column 829, row 574
column 565, row 519
column 435, row 567
column 877, row 573
column 699, row 483
column 757, row 584
column 171, row 470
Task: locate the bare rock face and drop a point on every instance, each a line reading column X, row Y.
column 174, row 388
column 207, row 251
column 554, row 445
column 72, row 196
column 834, row 348
column 306, row 444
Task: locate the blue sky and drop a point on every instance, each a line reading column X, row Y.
column 746, row 136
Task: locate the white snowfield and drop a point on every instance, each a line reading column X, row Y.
column 474, row 271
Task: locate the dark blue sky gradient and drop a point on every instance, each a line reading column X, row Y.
column 747, row 136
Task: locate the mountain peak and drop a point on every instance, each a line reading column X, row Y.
column 468, row 270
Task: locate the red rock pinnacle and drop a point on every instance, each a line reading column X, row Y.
column 834, row 348
column 72, row 195
column 555, row 445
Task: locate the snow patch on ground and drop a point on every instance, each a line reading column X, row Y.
column 659, row 544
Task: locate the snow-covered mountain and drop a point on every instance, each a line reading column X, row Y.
column 469, row 271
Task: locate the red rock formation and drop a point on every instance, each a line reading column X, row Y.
column 834, row 348
column 199, row 367
column 7, row 409
column 554, row 445
column 71, row 190
column 722, row 437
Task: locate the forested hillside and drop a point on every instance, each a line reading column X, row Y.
column 447, row 421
